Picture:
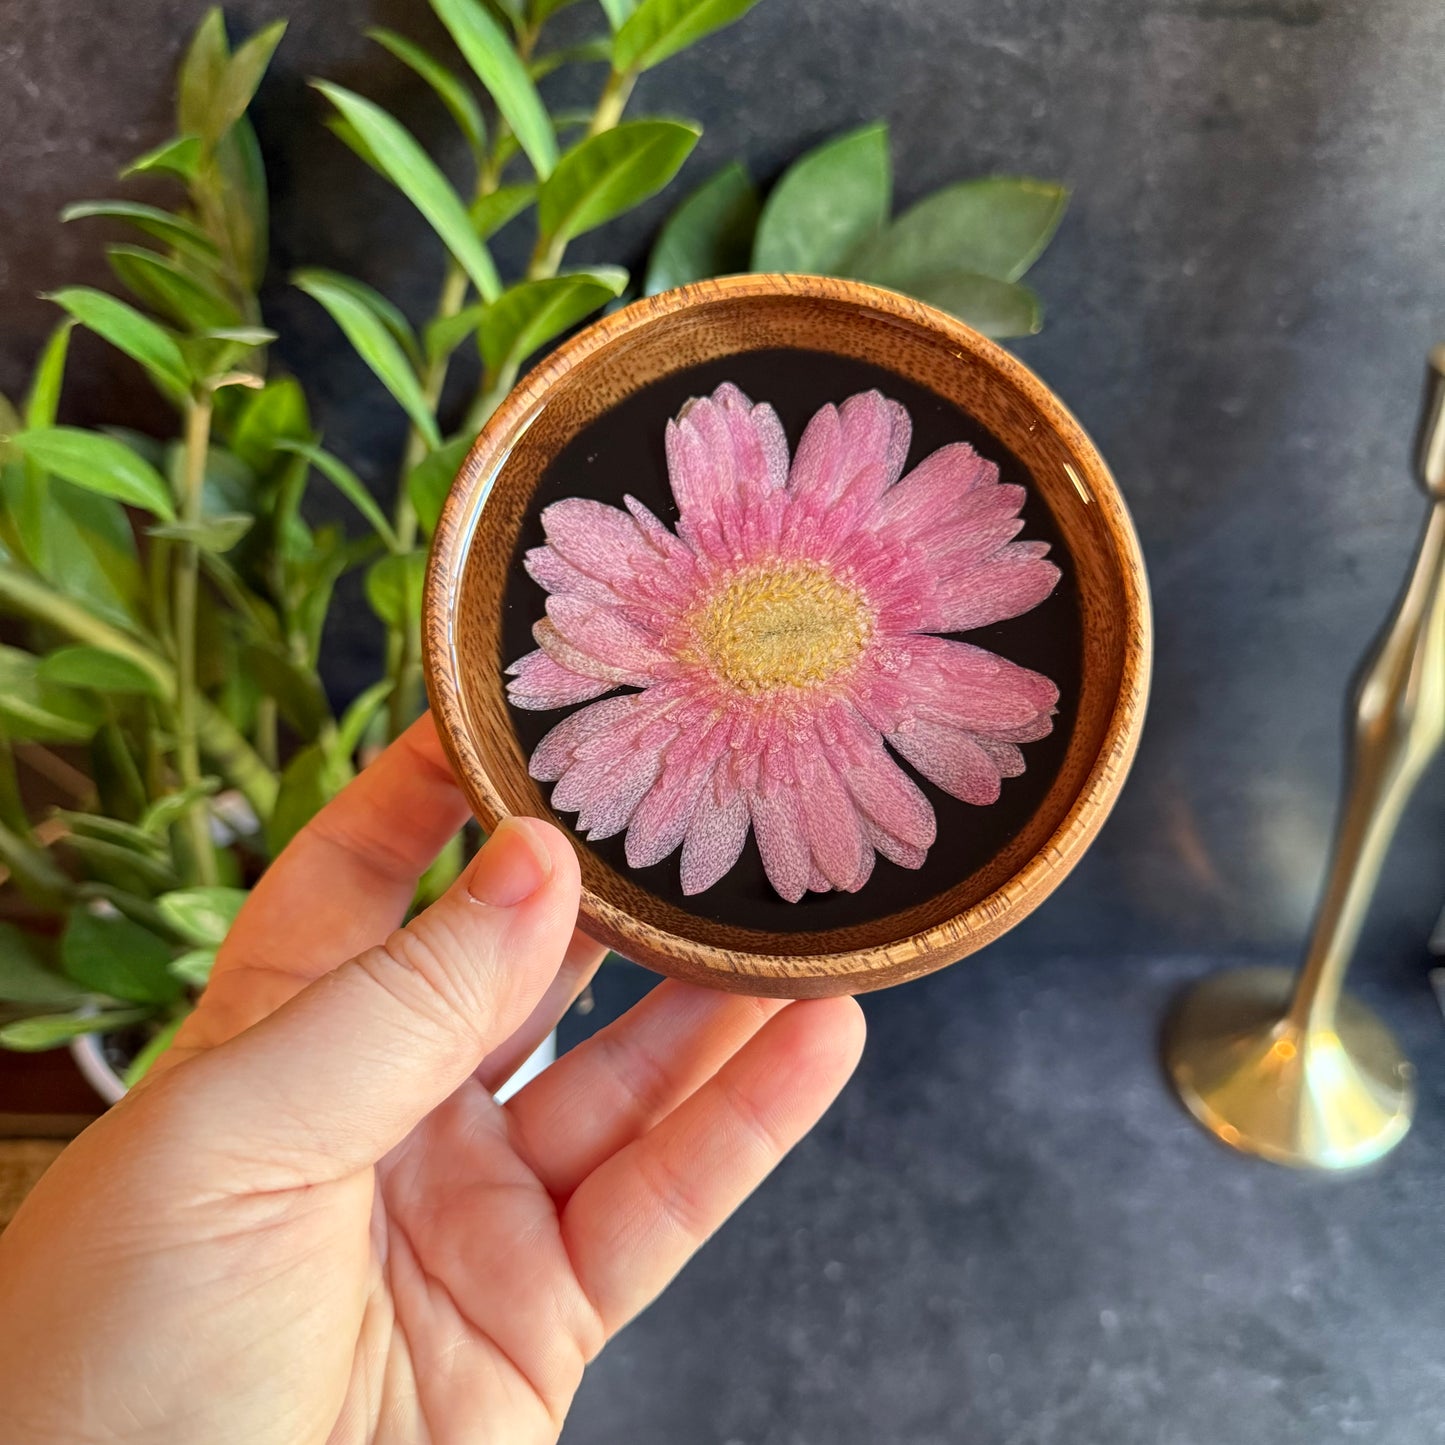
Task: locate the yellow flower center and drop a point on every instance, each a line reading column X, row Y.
column 783, row 624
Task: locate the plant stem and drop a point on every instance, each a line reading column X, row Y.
column 613, row 101
column 403, row 643
column 186, row 580
column 548, row 256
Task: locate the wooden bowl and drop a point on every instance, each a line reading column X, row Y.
column 476, row 541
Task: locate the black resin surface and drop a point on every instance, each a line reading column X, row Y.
column 622, row 453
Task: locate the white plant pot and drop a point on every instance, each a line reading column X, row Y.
column 90, row 1059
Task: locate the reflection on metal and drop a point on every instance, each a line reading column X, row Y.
column 1287, row 1067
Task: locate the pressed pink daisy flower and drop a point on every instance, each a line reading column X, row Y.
column 779, row 641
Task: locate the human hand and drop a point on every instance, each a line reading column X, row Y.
column 312, row 1222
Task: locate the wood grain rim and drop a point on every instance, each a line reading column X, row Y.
column 854, row 970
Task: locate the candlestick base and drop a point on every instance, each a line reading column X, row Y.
column 1321, row 1099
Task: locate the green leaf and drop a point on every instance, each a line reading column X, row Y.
column 203, row 916
column 97, row 669
column 49, row 1031
column 532, row 313
column 128, row 331
column 394, row 588
column 611, row 172
column 100, row 463
column 349, row 485
column 297, row 690
column 827, row 203
column 430, row 480
column 174, row 806
column 489, row 213
column 265, row 418
column 446, row 333
column 201, row 74
column 165, row 226
column 413, row 172
column 498, row 66
column 589, row 52
column 247, row 336
column 115, row 831
column 618, row 12
column 215, row 534
column 180, row 157
column 44, row 399
column 540, row 11
column 709, row 234
column 357, row 718
column 155, row 1046
column 194, row 967
column 244, row 204
column 660, row 28
column 120, row 790
column 112, row 955
column 25, row 978
column 113, row 863
column 240, row 78
column 995, row 308
column 166, row 287
column 34, row 710
column 995, row 227
column 312, row 778
column 448, row 87
column 82, row 544
column 350, row 137
column 374, row 343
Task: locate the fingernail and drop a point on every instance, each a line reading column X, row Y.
column 512, row 866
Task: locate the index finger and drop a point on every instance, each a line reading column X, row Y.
column 342, row 884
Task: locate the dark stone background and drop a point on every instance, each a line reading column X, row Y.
column 1006, row 1232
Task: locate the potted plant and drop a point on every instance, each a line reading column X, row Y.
column 166, row 596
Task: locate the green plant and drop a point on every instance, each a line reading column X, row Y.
column 169, row 595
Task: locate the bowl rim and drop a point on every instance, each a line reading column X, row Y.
column 815, row 974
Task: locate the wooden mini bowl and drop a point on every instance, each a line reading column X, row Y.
column 476, row 541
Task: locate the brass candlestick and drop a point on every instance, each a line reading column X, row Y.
column 1283, row 1065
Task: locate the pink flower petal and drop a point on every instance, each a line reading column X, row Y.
column 819, row 458
column 599, row 540
column 952, row 759
column 903, row 854
column 856, row 449
column 953, row 683
column 1006, row 757
column 934, row 487
column 716, row 833
column 576, row 660
column 778, row 827
column 661, row 821
column 549, row 569
column 891, row 800
column 604, row 633
column 609, row 803
column 830, row 821
column 555, row 753
column 1007, row 585
column 539, row 683
column 724, row 457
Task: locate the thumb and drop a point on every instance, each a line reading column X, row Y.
column 343, row 1071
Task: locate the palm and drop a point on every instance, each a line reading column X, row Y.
column 451, row 1289
column 315, row 1223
